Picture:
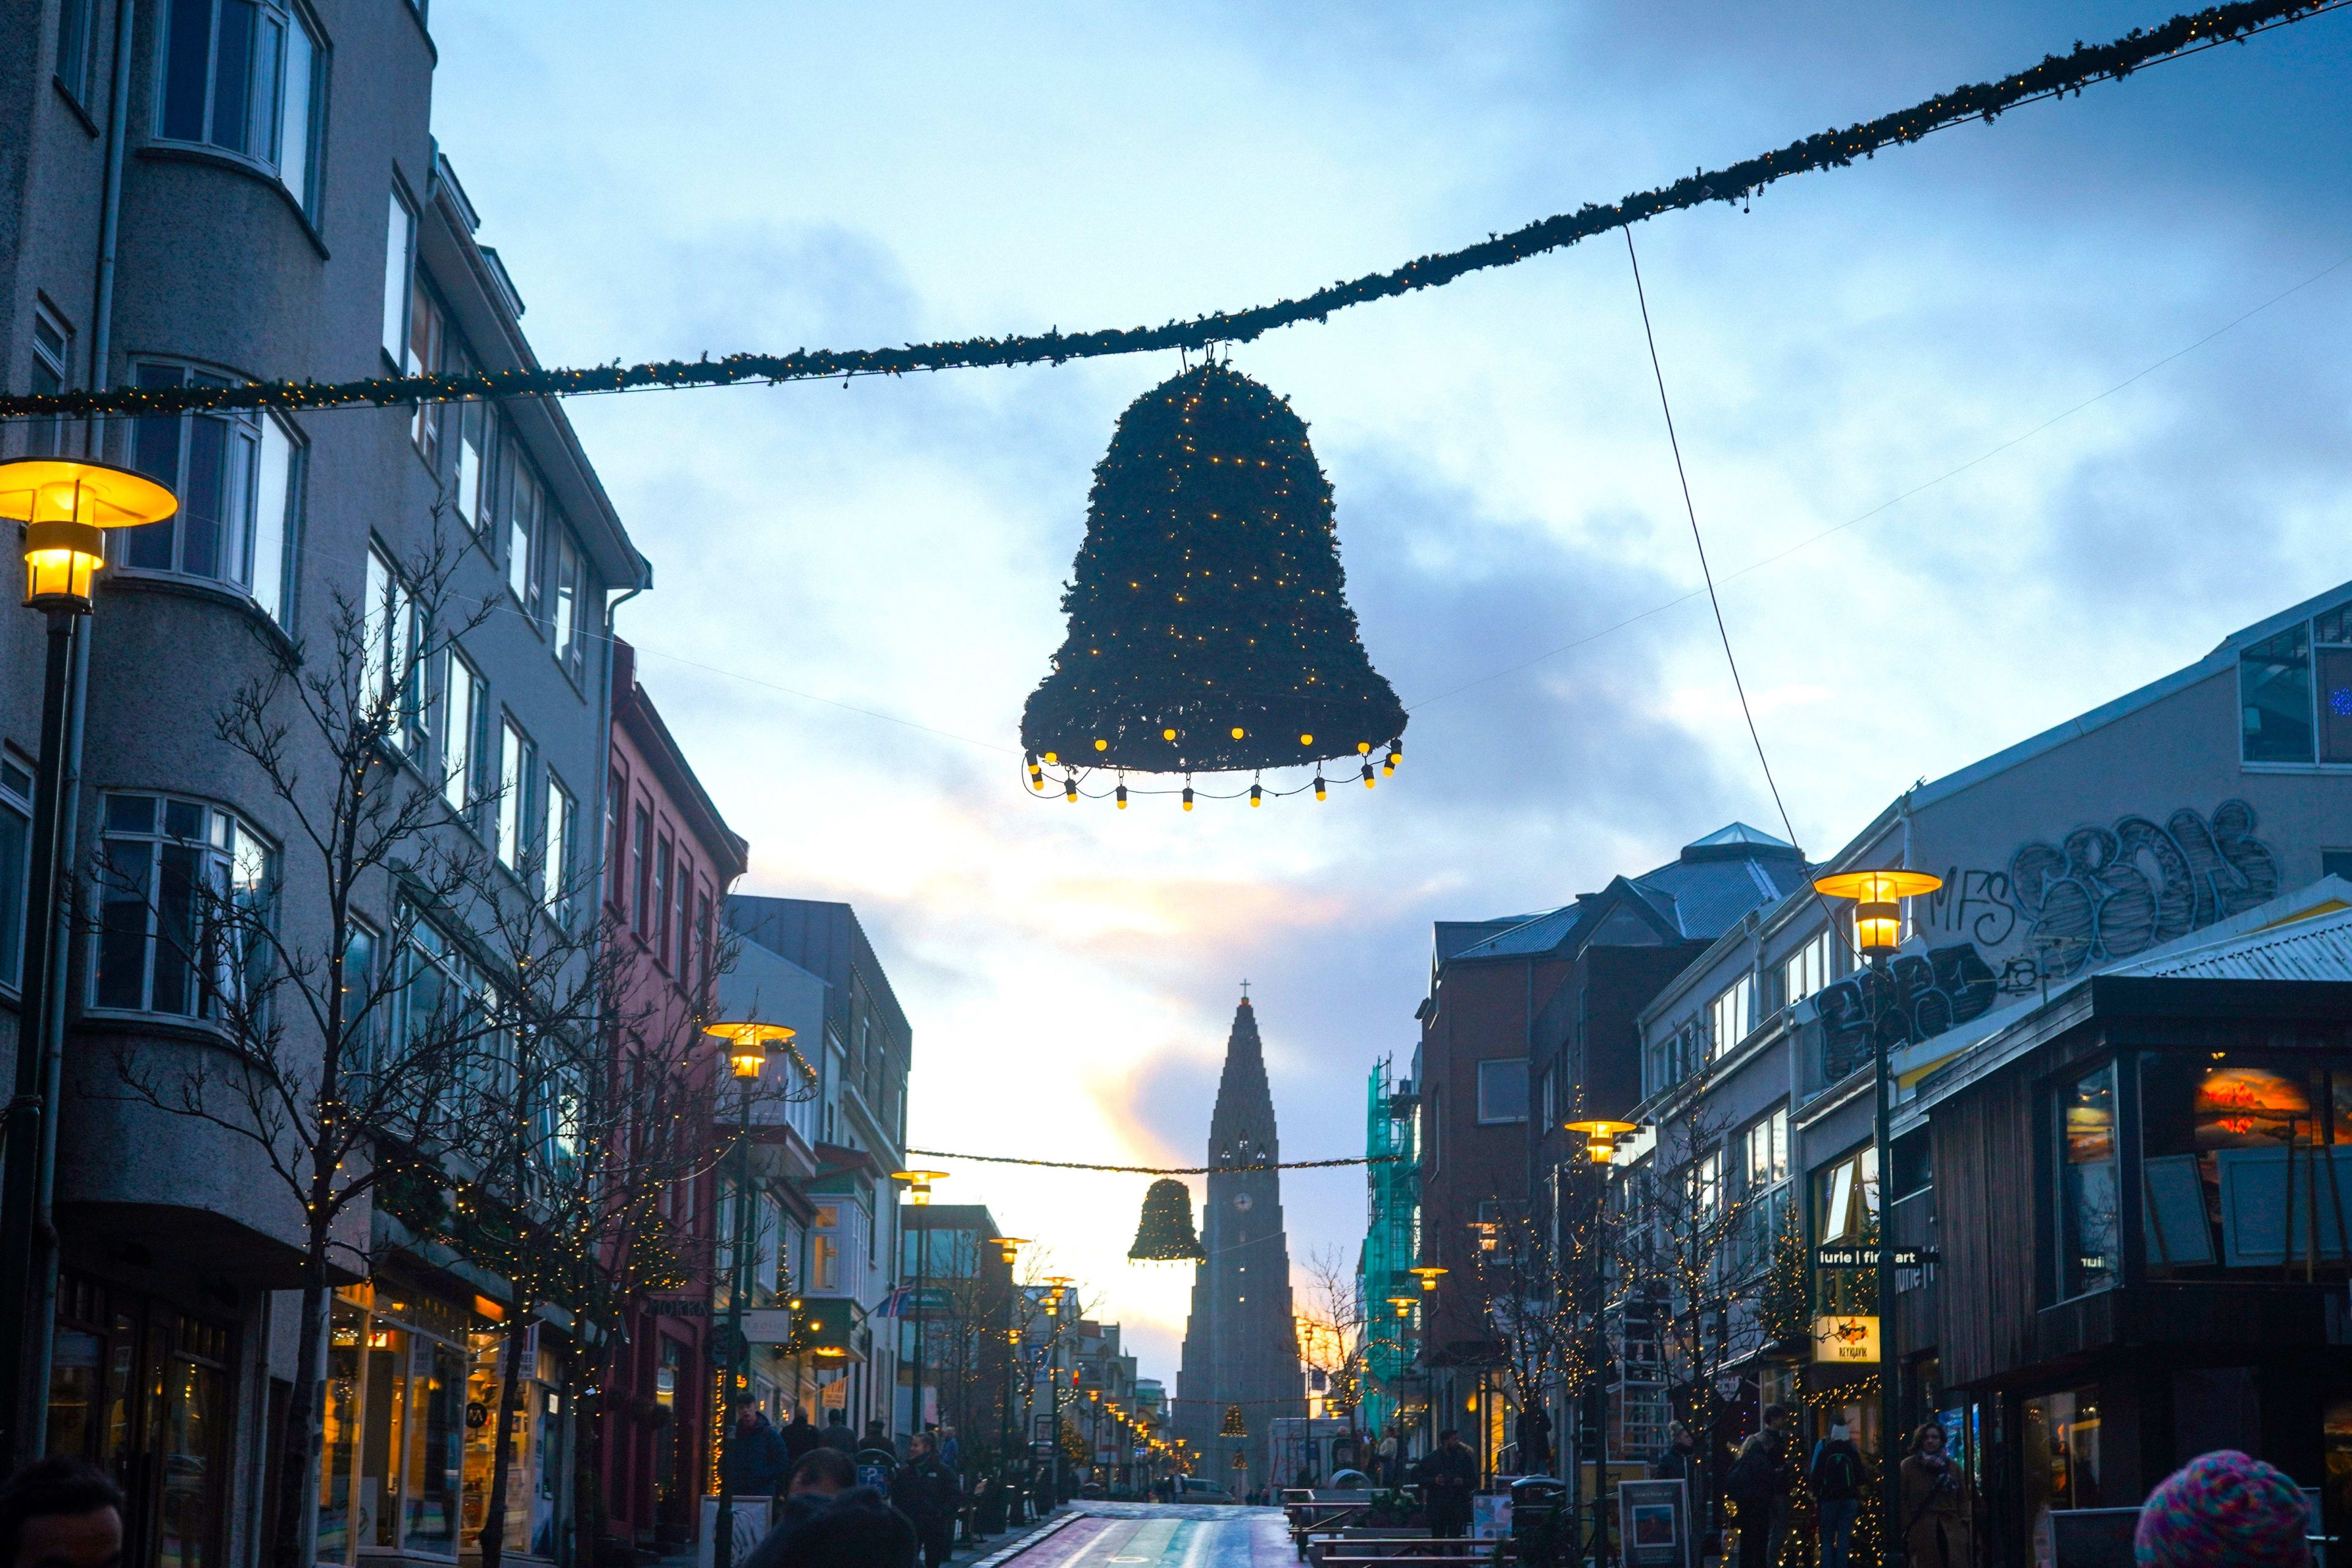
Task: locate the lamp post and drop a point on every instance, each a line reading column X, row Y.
column 918, row 1195
column 1877, row 932
column 1600, row 1134
column 1055, row 1284
column 1009, row 1248
column 65, row 506
column 747, row 1057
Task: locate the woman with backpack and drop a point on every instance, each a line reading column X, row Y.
column 1836, row 1475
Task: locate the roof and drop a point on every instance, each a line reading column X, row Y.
column 2305, row 935
column 1696, row 896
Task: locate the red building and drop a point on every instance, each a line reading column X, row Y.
column 669, row 859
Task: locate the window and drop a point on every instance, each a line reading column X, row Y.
column 476, row 428
column 1503, row 1091
column 2234, row 1149
column 524, row 500
column 1705, row 1176
column 426, row 331
column 661, row 901
column 1805, row 971
column 239, row 478
column 180, row 883
column 1730, row 1015
column 359, row 994
column 399, row 250
column 77, row 21
column 2090, row 1251
column 465, row 714
column 514, row 806
column 564, row 598
column 1845, row 1213
column 2062, row 1456
column 641, row 864
column 684, row 915
column 616, row 870
column 2275, row 699
column 555, row 874
column 52, row 348
column 15, row 865
column 242, row 75
column 1767, row 1144
column 389, row 640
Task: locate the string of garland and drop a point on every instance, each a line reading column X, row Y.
column 2054, row 77
column 1159, row 1169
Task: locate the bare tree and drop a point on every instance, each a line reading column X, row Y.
column 1332, row 1325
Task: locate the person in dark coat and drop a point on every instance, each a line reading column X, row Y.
column 1751, row 1486
column 836, row 1434
column 1677, row 1460
column 1837, row 1476
column 1533, row 1434
column 827, row 1520
column 924, row 1490
column 800, row 1434
column 753, row 1462
column 1448, row 1477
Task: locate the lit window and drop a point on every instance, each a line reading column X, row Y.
column 242, row 75
column 1768, row 1151
column 2091, row 1253
column 182, row 889
column 239, row 478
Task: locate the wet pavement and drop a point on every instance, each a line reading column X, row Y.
column 1156, row 1535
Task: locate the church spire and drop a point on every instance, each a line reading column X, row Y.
column 1240, row 1129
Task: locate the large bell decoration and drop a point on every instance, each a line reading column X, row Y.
column 1209, row 627
column 1165, row 1233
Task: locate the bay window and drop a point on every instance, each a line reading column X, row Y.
column 243, row 76
column 239, row 478
column 182, row 888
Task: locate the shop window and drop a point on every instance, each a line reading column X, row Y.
column 143, row 1391
column 2061, row 1443
column 2090, row 1253
column 2246, row 1164
column 184, row 888
column 394, row 1408
column 535, row 1460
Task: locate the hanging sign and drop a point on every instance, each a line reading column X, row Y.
column 1845, row 1342
column 1867, row 1257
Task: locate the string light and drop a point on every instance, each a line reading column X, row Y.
column 1257, row 792
column 2054, row 77
column 1187, row 797
column 1319, row 785
column 1122, row 798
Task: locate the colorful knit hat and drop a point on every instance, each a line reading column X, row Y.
column 2221, row 1509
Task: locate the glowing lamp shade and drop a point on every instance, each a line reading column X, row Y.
column 1879, row 902
column 66, row 506
column 1403, row 1304
column 919, row 1184
column 1601, row 1136
column 1011, row 1246
column 1429, row 1274
column 747, row 1045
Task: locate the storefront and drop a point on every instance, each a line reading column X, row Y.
column 146, row 1391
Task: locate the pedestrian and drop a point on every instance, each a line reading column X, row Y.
column 950, row 1452
column 1749, row 1487
column 59, row 1513
column 828, row 1520
column 1533, row 1434
column 753, row 1462
column 836, row 1434
column 1938, row 1516
column 800, row 1434
column 924, row 1490
column 1673, row 1461
column 1779, row 1435
column 1448, row 1475
column 1386, row 1459
column 2224, row 1508
column 1837, row 1475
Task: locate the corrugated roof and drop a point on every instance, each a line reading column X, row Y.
column 2312, row 948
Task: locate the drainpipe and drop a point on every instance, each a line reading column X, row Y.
column 118, row 126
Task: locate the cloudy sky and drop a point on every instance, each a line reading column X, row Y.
column 1981, row 433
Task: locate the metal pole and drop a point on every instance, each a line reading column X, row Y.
column 21, row 1176
column 722, row 1548
column 922, row 1257
column 1890, row 1479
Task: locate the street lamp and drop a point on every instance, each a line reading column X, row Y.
column 918, row 1195
column 1600, row 1134
column 747, row 1042
column 65, row 505
column 1009, row 1248
column 1877, row 930
column 1055, row 1285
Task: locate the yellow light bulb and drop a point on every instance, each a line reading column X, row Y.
column 1363, row 748
column 1254, row 797
column 1070, row 791
column 1053, row 756
column 1238, row 731
column 1368, row 775
column 1122, row 798
column 1166, row 734
column 1101, row 745
column 1306, row 739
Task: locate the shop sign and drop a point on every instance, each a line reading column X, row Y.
column 1845, row 1342
column 768, row 1325
column 676, row 1307
column 1867, row 1258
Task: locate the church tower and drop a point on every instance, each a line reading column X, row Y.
column 1241, row 1345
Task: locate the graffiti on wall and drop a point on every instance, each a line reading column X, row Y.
column 2100, row 893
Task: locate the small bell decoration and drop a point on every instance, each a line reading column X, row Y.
column 1209, row 627
column 1233, row 1426
column 1165, row 1235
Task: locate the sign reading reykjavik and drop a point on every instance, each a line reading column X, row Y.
column 1845, row 1340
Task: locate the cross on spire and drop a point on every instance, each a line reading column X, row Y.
column 1245, row 990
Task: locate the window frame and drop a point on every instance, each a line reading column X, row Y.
column 1811, row 957
column 517, row 764
column 1483, row 1118
column 399, row 266
column 15, row 889
column 207, row 854
column 558, row 813
column 76, row 49
column 1742, row 992
column 464, row 736
column 2075, row 1271
column 267, row 86
column 246, row 531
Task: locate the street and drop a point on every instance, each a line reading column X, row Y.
column 1160, row 1535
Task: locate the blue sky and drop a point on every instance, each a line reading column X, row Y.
column 718, row 176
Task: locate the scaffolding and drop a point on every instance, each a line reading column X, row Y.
column 1391, row 1238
